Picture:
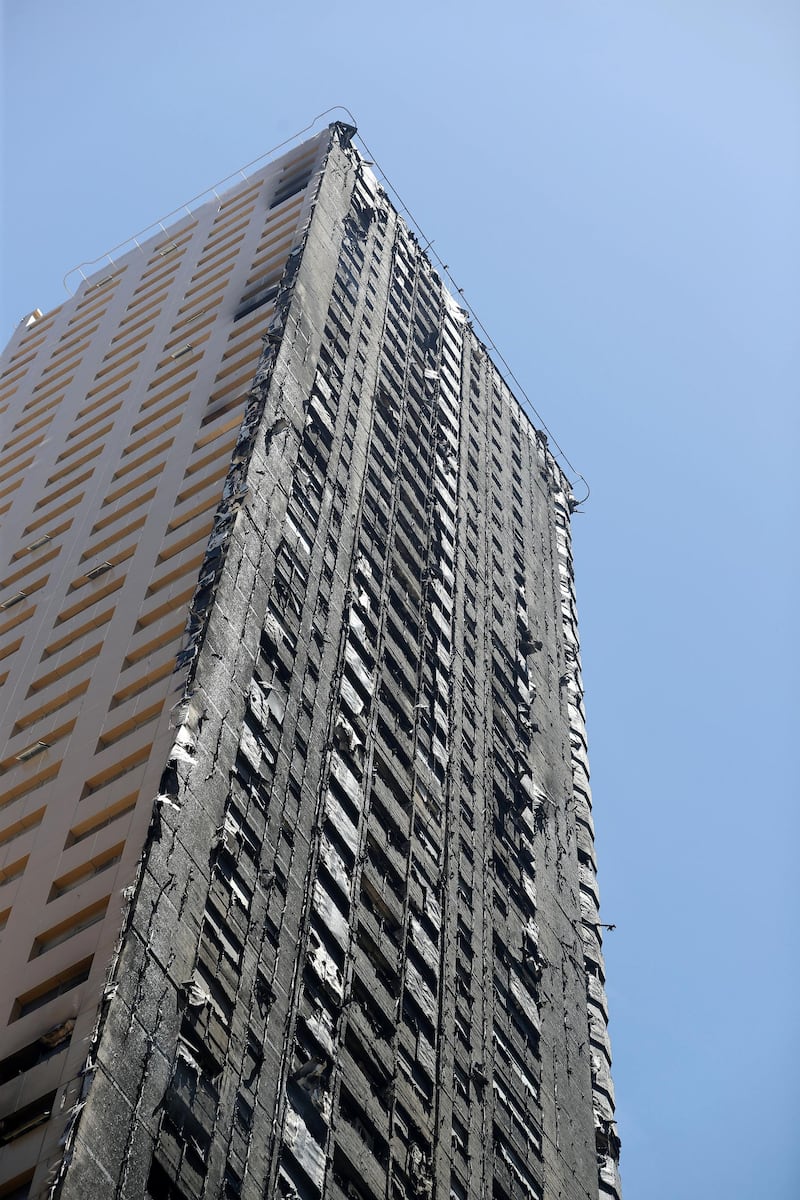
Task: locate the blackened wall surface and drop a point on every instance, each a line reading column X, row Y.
column 120, row 413
column 362, row 954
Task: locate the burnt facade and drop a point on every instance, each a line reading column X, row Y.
column 297, row 861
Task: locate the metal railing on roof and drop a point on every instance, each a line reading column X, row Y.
column 188, row 208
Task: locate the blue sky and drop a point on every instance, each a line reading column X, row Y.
column 616, row 186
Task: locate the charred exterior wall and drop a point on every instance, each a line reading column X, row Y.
column 362, row 958
column 119, row 414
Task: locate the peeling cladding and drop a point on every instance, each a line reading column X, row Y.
column 362, row 955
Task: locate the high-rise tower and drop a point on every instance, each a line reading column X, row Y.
column 297, row 881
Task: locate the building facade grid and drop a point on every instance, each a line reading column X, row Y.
column 308, row 682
